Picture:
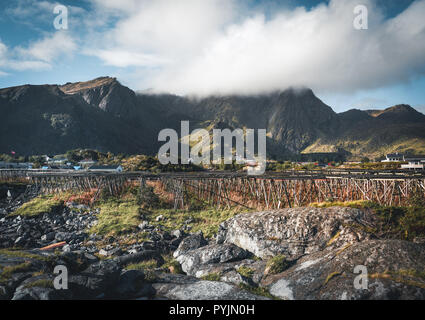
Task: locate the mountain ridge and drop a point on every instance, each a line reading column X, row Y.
column 104, row 114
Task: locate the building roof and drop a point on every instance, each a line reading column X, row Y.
column 395, row 155
column 417, row 157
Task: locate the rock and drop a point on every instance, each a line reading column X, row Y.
column 63, row 236
column 236, row 278
column 39, row 288
column 48, row 237
column 296, row 231
column 191, row 260
column 191, row 242
column 394, row 269
column 143, row 225
column 103, row 252
column 131, row 284
column 19, row 241
column 159, row 218
column 98, row 280
column 177, row 233
column 189, row 289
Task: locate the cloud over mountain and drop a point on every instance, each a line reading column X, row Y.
column 215, row 46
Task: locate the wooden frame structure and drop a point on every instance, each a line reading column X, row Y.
column 269, row 191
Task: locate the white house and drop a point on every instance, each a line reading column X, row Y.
column 116, row 168
column 394, row 157
column 415, row 162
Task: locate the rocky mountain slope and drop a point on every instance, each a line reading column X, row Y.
column 105, row 115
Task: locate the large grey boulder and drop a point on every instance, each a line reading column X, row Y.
column 394, row 271
column 194, row 241
column 177, row 287
column 296, row 231
column 192, row 260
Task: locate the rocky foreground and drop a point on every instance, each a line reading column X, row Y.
column 298, row 253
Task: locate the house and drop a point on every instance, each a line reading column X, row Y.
column 394, row 157
column 57, row 161
column 114, row 168
column 16, row 165
column 86, row 163
column 414, row 162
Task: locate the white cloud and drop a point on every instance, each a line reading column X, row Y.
column 39, row 55
column 124, row 59
column 50, row 47
column 214, row 46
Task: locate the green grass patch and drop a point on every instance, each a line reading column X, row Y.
column 277, row 264
column 246, row 272
column 214, row 276
column 172, row 265
column 148, row 267
column 42, row 283
column 37, row 206
column 144, row 265
column 117, row 217
column 8, row 271
column 259, row 291
column 23, row 254
column 358, row 204
column 206, row 221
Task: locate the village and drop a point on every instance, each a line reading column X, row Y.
column 61, row 163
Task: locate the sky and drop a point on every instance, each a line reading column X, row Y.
column 205, row 47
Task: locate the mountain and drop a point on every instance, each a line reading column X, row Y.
column 373, row 133
column 53, row 119
column 103, row 114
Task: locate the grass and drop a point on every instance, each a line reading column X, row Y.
column 22, row 254
column 331, row 276
column 117, row 217
column 409, row 277
column 334, row 238
column 37, row 206
column 246, row 272
column 358, row 204
column 148, row 267
column 8, row 271
column 405, row 222
column 207, row 220
column 259, row 291
column 42, row 283
column 276, row 264
column 144, row 265
column 172, row 265
column 214, row 276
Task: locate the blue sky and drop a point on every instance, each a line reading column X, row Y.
column 223, row 47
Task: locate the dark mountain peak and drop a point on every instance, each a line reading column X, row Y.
column 398, row 113
column 354, row 115
column 76, row 87
column 30, row 93
column 105, row 93
column 397, row 109
column 400, row 108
